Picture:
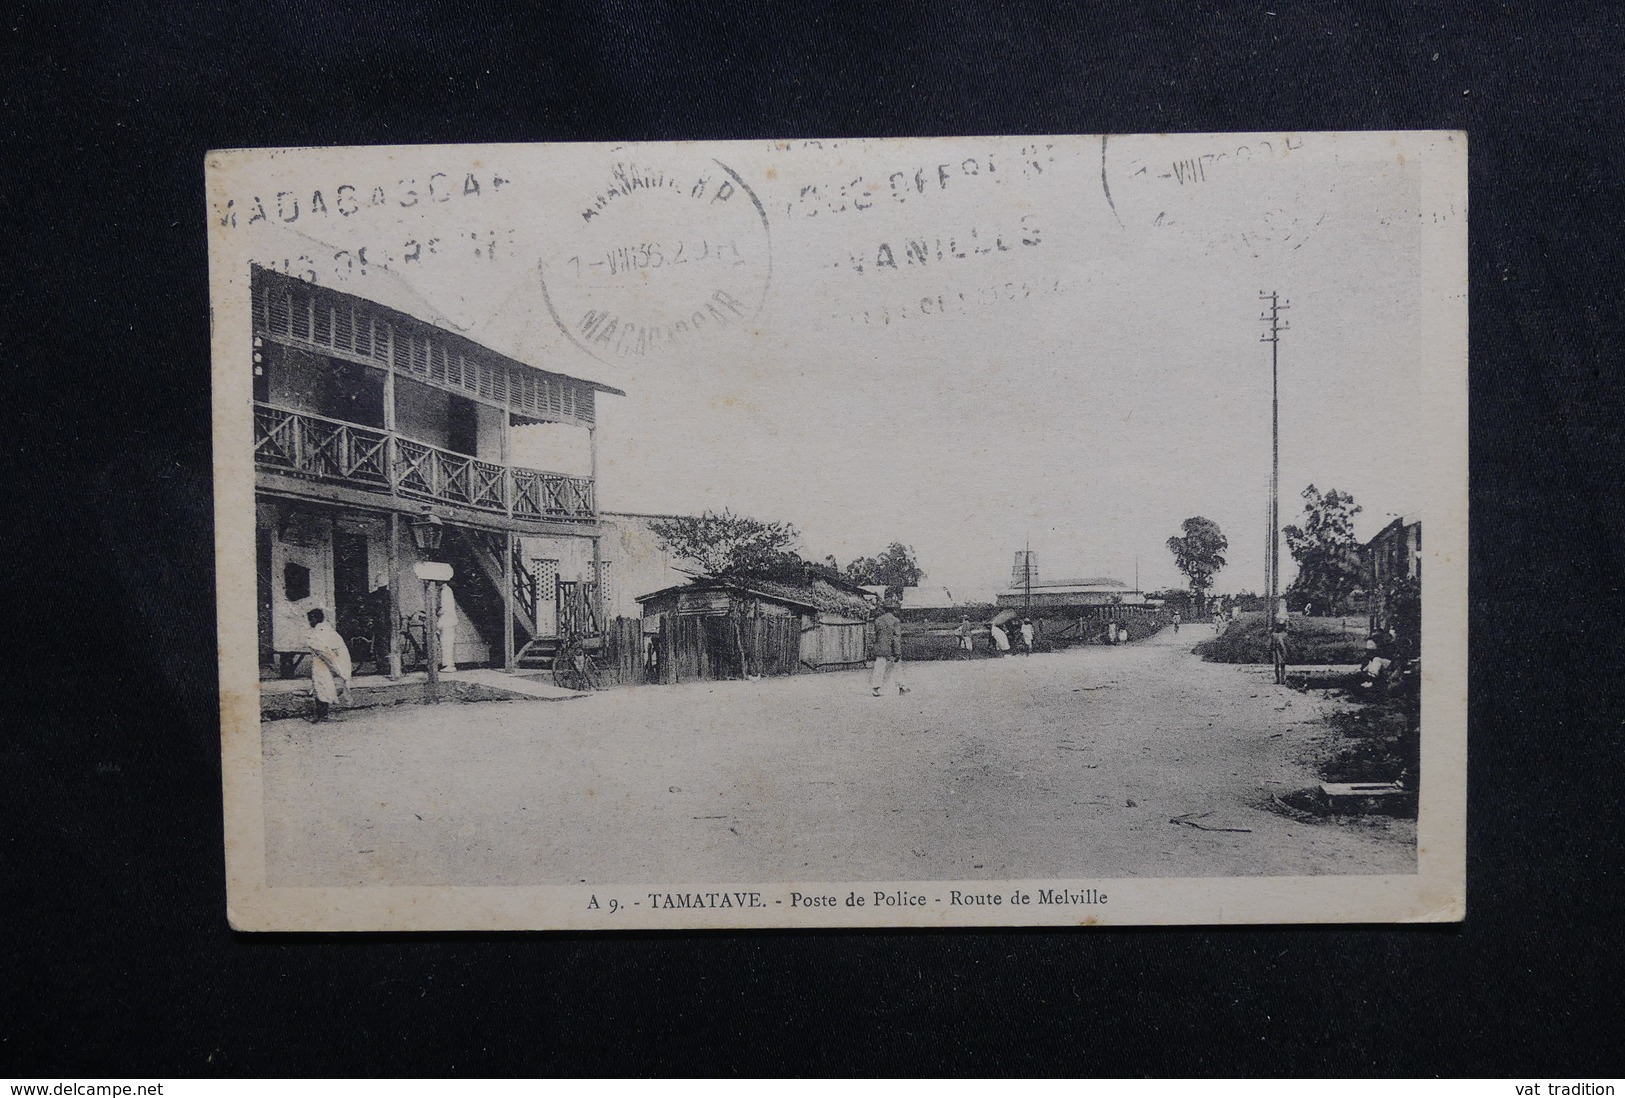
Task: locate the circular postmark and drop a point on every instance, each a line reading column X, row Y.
column 660, row 257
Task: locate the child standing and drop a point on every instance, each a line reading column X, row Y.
column 1278, row 651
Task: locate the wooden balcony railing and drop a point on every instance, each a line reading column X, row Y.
column 307, row 445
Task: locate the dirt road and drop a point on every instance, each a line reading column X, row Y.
column 1068, row 764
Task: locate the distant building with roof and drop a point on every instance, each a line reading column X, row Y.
column 1071, row 594
column 1392, row 556
column 1395, row 552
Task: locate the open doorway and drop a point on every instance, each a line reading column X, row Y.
column 350, row 589
column 463, row 427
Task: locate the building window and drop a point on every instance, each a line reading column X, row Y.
column 547, row 578
column 547, row 596
column 295, row 582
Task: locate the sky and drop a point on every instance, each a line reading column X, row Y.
column 1081, row 374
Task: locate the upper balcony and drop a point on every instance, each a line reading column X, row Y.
column 359, row 402
column 316, row 448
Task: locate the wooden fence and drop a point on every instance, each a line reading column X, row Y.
column 834, row 646
column 1120, row 612
column 724, row 646
column 693, row 647
column 622, row 661
column 700, row 647
column 1092, row 626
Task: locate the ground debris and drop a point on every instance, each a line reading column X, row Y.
column 1194, row 819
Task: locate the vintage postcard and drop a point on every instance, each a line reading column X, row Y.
column 905, row 532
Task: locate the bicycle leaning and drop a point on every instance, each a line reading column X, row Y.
column 574, row 667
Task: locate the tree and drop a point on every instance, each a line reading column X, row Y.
column 1199, row 554
column 1402, row 612
column 729, row 543
column 1325, row 548
column 896, row 568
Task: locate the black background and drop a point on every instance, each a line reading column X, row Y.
column 118, row 959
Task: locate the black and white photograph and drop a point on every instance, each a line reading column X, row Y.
column 822, row 533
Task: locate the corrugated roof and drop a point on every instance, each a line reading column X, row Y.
column 389, row 293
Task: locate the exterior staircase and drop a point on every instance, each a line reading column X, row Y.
column 537, row 654
column 477, row 558
column 578, row 613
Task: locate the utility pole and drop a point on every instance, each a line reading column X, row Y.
column 1277, row 326
column 1269, row 564
column 1021, row 574
column 1027, row 579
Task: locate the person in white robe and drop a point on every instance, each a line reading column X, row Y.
column 329, row 664
column 446, row 624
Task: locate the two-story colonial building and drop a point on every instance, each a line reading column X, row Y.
column 368, row 419
column 1392, row 556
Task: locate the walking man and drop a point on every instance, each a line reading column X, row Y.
column 329, row 664
column 1027, row 635
column 1176, row 621
column 1278, row 651
column 965, row 633
column 888, row 650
